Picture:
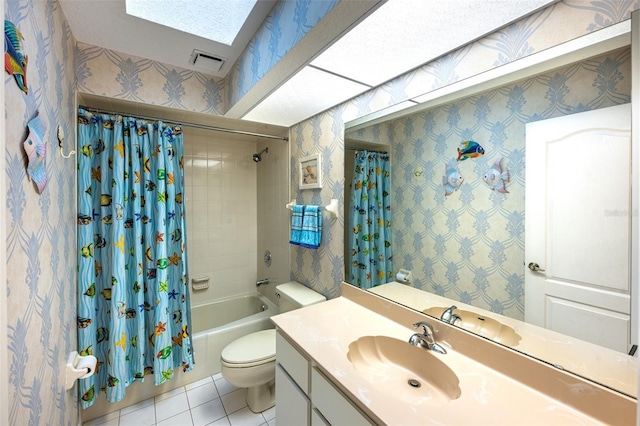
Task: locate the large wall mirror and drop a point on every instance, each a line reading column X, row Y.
column 459, row 214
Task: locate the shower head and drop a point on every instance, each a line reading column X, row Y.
column 258, row 157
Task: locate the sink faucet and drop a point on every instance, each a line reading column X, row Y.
column 449, row 316
column 426, row 339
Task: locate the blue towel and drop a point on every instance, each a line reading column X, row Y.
column 296, row 224
column 311, row 227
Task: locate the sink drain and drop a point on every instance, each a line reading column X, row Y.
column 414, row 383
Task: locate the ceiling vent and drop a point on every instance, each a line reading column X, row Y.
column 206, row 61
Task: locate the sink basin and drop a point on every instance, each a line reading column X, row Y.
column 412, row 374
column 483, row 326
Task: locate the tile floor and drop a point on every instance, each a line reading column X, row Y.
column 211, row 401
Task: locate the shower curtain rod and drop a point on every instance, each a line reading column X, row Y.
column 187, row 124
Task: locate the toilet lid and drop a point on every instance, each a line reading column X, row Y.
column 254, row 347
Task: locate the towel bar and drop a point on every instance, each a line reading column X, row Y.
column 332, row 207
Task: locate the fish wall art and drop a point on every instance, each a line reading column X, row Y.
column 36, row 150
column 15, row 63
column 497, row 176
column 452, row 179
column 469, row 149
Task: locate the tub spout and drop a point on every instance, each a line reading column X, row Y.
column 262, row 282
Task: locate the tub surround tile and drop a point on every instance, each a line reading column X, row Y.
column 171, row 407
column 208, row 412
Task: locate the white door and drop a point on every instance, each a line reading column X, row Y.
column 578, row 225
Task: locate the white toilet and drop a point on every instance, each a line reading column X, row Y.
column 250, row 361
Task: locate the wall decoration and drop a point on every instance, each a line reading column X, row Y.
column 311, row 172
column 36, row 150
column 469, row 149
column 497, row 176
column 15, row 63
column 452, row 179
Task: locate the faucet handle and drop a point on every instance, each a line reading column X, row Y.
column 426, row 328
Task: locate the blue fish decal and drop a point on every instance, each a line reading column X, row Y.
column 497, row 176
column 452, row 179
column 469, row 149
column 36, row 151
column 15, row 63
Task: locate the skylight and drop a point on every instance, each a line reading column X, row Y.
column 217, row 20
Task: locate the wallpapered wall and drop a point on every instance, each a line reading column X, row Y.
column 41, row 306
column 324, row 133
column 469, row 246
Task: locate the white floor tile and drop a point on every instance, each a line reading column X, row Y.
column 145, row 416
column 269, row 414
column 222, row 422
column 199, row 383
column 202, row 394
column 245, row 417
column 135, row 407
column 104, row 420
column 272, row 422
column 208, row 412
column 235, row 400
column 224, row 387
column 170, row 407
column 217, row 376
column 182, row 419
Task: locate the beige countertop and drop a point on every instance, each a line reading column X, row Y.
column 611, row 368
column 488, row 396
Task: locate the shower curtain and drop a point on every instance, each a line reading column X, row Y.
column 370, row 221
column 133, row 298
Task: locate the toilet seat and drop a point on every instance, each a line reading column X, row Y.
column 251, row 350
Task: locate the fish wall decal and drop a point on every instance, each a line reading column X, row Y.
column 469, row 149
column 497, row 176
column 36, row 151
column 15, row 63
column 452, row 179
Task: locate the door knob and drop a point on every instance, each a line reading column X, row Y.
column 535, row 267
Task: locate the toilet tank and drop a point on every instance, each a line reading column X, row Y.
column 293, row 295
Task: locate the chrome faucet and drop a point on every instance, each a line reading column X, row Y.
column 449, row 316
column 426, row 339
column 262, row 282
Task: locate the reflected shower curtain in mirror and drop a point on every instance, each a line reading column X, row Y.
column 370, row 221
column 133, row 297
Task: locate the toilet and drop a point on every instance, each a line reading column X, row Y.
column 250, row 361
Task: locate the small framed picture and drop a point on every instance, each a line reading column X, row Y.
column 311, row 172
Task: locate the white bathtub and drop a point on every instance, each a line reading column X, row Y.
column 213, row 326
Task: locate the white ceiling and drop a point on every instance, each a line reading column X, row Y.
column 397, row 37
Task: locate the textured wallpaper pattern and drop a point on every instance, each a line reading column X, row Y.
column 323, row 269
column 40, row 240
column 108, row 73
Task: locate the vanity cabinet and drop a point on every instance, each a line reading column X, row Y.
column 306, row 396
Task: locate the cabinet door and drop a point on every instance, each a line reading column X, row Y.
column 292, row 404
column 332, row 404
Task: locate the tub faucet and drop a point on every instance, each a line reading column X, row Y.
column 426, row 339
column 449, row 316
column 262, row 282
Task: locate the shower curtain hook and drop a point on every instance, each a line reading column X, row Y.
column 61, row 141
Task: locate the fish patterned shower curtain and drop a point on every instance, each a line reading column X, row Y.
column 133, row 298
column 371, row 257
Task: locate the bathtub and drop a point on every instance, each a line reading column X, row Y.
column 213, row 326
